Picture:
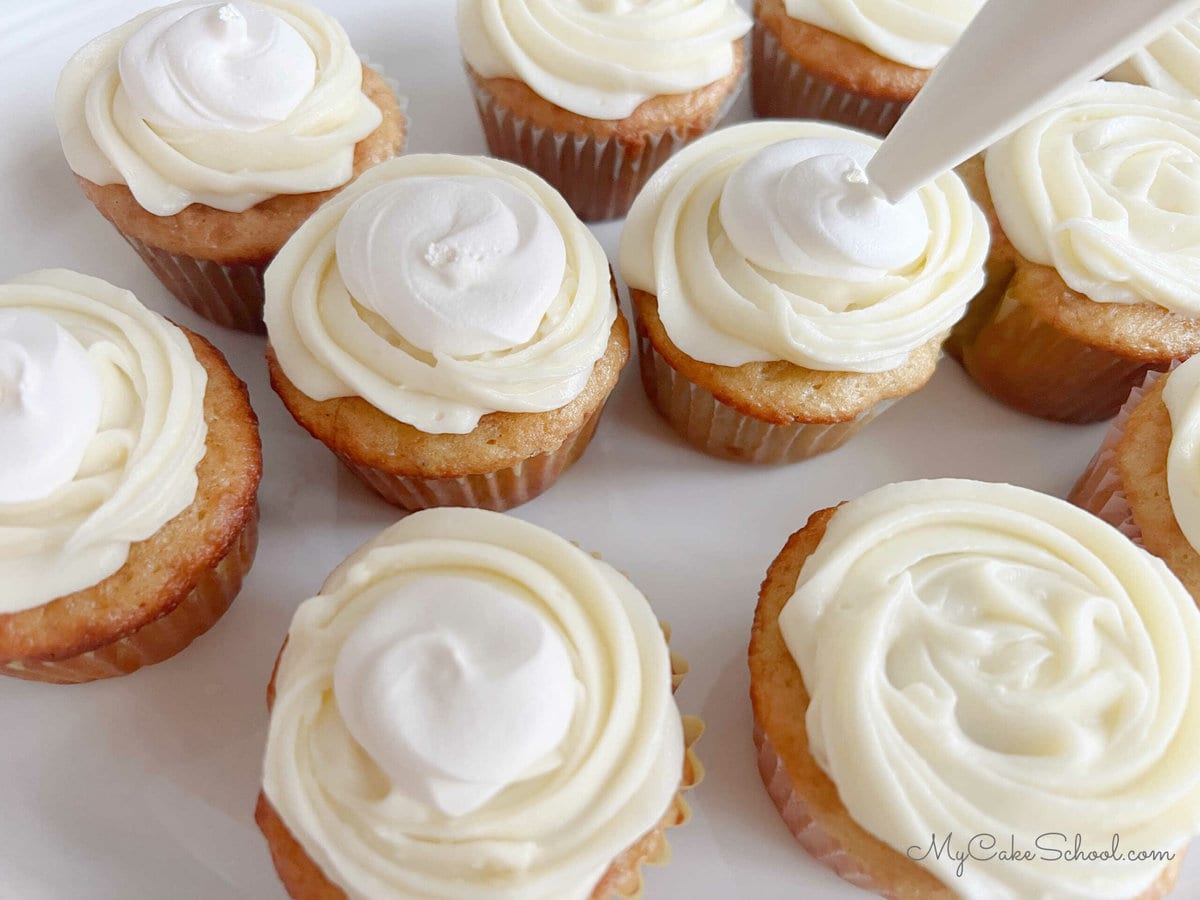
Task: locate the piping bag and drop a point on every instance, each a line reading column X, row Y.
column 1016, row 59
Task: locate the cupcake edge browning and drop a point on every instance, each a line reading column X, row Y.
column 162, row 571
column 840, row 61
column 780, row 392
column 693, row 113
column 252, row 237
column 1141, row 462
column 352, row 427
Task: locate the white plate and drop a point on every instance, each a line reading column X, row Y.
column 144, row 786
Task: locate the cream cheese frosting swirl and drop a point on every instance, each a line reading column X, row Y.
column 986, row 660
column 602, row 58
column 134, row 459
column 440, row 289
column 764, row 242
column 916, row 33
column 222, row 104
column 1105, row 187
column 50, row 403
column 1181, row 395
column 472, row 708
column 1171, row 63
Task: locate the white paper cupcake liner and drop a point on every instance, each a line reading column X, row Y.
column 783, row 89
column 162, row 638
column 817, row 842
column 230, row 296
column 722, row 431
column 1099, row 489
column 598, row 177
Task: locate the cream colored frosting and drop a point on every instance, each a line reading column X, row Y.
column 554, row 828
column 218, row 110
column 916, row 33
column 50, row 405
column 986, row 660
column 138, row 470
column 602, row 58
column 1105, row 187
column 1181, row 394
column 440, row 660
column 1171, row 63
column 762, row 242
column 435, row 338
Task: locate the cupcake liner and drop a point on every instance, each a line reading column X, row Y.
column 598, row 177
column 231, row 296
column 162, row 638
column 1099, row 489
column 1027, row 363
column 783, row 89
column 624, row 876
column 722, row 431
column 819, row 844
column 500, row 490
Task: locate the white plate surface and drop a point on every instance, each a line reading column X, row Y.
column 144, row 786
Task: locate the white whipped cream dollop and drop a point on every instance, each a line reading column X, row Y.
column 983, row 659
column 915, row 33
column 1171, row 63
column 1105, row 187
column 805, row 206
column 473, row 708
column 765, row 242
column 455, row 688
column 464, row 265
column 132, row 462
column 602, row 58
column 232, row 66
column 50, row 403
column 1181, row 395
column 223, row 104
column 440, row 289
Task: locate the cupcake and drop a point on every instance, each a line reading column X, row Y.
column 595, row 97
column 449, row 329
column 206, row 133
column 1171, row 63
column 857, row 62
column 976, row 690
column 473, row 707
column 129, row 468
column 1145, row 478
column 1091, row 284
column 780, row 303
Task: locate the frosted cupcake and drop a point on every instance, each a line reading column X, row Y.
column 857, row 62
column 1145, row 478
column 1171, row 63
column 207, row 132
column 595, row 97
column 449, row 329
column 780, row 304
column 129, row 467
column 1091, row 279
column 985, row 669
column 473, row 707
